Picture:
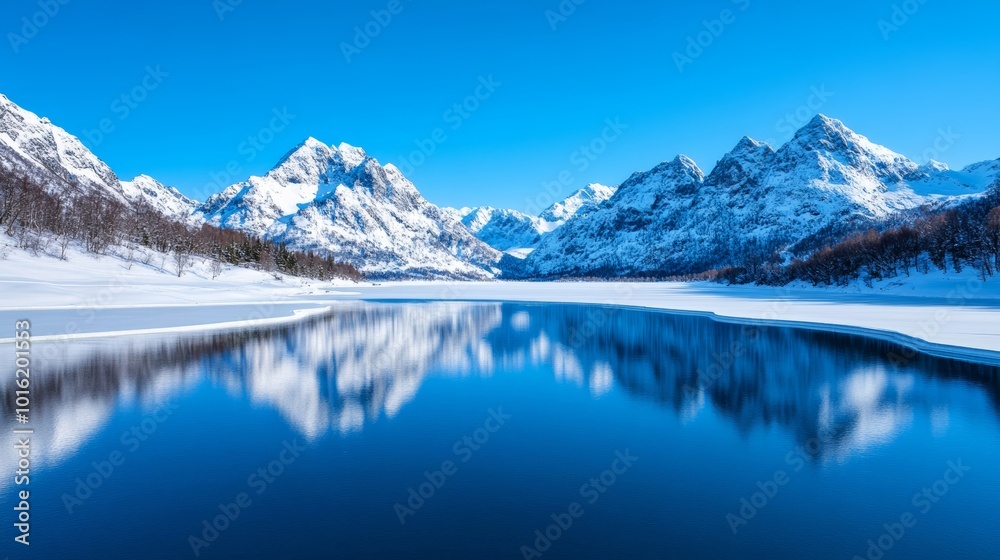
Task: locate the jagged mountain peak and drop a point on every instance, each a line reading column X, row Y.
column 579, row 203
column 680, row 170
column 316, row 156
column 824, row 134
column 933, row 165
column 748, row 150
column 34, row 146
column 748, row 158
column 340, row 201
column 685, row 162
column 749, row 144
column 825, row 181
column 143, row 178
column 311, row 142
column 517, row 233
column 351, row 156
column 822, row 121
column 825, row 131
column 984, row 168
column 166, row 200
column 826, row 153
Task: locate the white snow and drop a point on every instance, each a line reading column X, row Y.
column 166, row 200
column 35, row 146
column 517, row 233
column 954, row 314
column 85, row 296
column 339, row 201
column 674, row 219
column 580, row 203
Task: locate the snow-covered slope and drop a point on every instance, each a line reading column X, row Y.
column 673, row 219
column 166, row 200
column 340, row 201
column 504, row 230
column 34, row 146
column 580, row 203
column 517, row 233
column 936, row 179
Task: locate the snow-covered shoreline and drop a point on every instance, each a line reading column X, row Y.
column 85, row 297
column 956, row 316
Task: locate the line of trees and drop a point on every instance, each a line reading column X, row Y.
column 40, row 221
column 966, row 236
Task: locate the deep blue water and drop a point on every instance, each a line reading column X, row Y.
column 620, row 433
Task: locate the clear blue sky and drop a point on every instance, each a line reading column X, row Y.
column 939, row 69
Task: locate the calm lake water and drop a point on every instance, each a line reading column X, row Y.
column 467, row 431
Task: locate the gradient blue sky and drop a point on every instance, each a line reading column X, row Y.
column 939, row 71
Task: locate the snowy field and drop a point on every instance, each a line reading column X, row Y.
column 85, row 297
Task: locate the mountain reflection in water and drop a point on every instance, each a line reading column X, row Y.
column 364, row 361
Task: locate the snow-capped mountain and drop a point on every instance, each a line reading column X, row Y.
column 673, row 219
column 936, row 179
column 517, row 233
column 165, row 200
column 504, row 230
column 340, row 201
column 580, row 203
column 32, row 145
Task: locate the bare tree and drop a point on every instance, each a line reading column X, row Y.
column 181, row 259
column 130, row 257
column 215, row 267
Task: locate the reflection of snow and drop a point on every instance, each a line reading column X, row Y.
column 366, row 361
column 540, row 347
column 876, row 404
column 601, row 379
column 520, row 321
column 693, row 406
column 940, row 421
column 282, row 385
column 377, row 356
column 351, row 419
column 566, row 365
column 72, row 426
column 76, row 392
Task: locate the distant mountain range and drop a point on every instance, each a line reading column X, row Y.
column 517, row 233
column 673, row 219
column 825, row 182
